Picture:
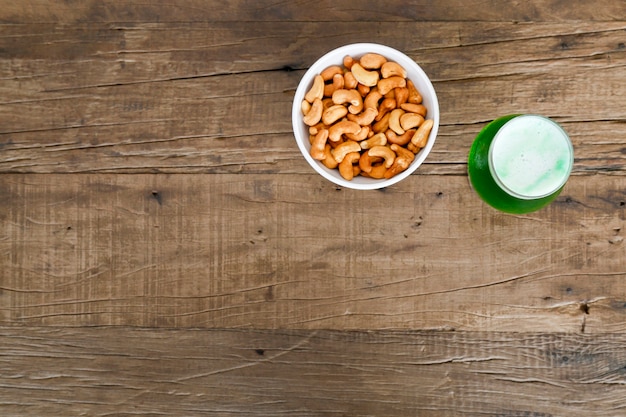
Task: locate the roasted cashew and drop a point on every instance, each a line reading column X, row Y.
column 372, row 61
column 363, row 89
column 349, row 81
column 372, row 99
column 365, row 118
column 399, row 140
column 342, row 127
column 349, row 96
column 334, row 113
column 330, row 72
column 386, row 105
column 421, row 135
column 348, row 61
column 402, row 95
column 366, row 161
column 387, row 84
column 399, row 165
column 410, row 120
column 315, row 113
column 327, row 102
column 365, row 77
column 337, row 84
column 305, row 107
column 382, row 125
column 402, row 152
column 403, row 160
column 384, row 152
column 360, row 135
column 346, row 168
column 316, row 128
column 316, row 91
column 318, row 144
column 392, row 69
column 379, row 139
column 414, row 94
column 345, row 148
column 329, row 161
column 414, row 108
column 394, row 121
column 377, row 172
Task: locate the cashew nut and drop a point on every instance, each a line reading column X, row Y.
column 363, row 89
column 349, row 96
column 316, row 128
column 403, row 160
column 342, row 127
column 401, row 139
column 402, row 152
column 315, row 113
column 305, row 107
column 318, row 144
column 377, row 172
column 394, row 121
column 392, row 69
column 349, row 81
column 327, row 102
column 330, row 72
column 384, row 152
column 348, row 61
column 372, row 99
column 360, row 135
column 378, row 139
column 337, row 84
column 345, row 148
column 387, row 84
column 368, row 78
column 382, row 125
column 334, row 113
column 364, row 118
column 366, row 161
column 410, row 120
column 329, row 161
column 372, row 61
column 402, row 95
column 414, row 94
column 346, row 168
column 414, row 108
column 399, row 165
column 386, row 105
column 421, row 135
column 316, row 91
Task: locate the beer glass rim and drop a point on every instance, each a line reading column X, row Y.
column 503, row 185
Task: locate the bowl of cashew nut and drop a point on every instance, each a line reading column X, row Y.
column 365, row 116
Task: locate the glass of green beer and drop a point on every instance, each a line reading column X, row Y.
column 519, row 163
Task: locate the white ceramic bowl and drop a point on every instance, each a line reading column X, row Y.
column 335, row 57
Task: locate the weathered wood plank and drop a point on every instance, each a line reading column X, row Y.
column 267, row 251
column 119, row 371
column 86, row 100
column 308, row 10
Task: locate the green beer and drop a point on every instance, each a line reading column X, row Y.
column 520, row 163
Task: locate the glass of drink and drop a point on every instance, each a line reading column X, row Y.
column 520, row 163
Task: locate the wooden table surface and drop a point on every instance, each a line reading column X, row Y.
column 166, row 250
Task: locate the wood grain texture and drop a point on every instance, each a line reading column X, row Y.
column 117, row 371
column 216, row 98
column 166, row 250
column 310, row 10
column 261, row 251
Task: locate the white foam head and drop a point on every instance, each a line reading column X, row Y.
column 531, row 157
